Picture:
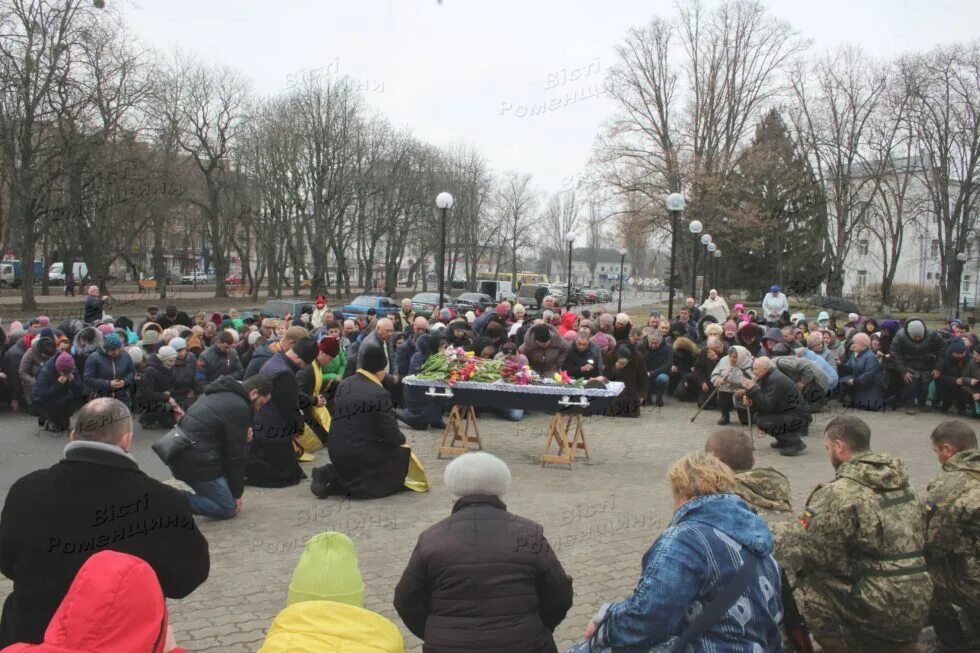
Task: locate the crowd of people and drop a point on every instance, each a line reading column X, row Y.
column 255, row 396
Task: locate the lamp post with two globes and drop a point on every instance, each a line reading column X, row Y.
column 444, row 201
column 622, row 261
column 570, row 237
column 675, row 204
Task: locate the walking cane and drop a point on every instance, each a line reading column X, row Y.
column 706, row 402
column 713, row 393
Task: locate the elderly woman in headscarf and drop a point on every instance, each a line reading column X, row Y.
column 727, row 377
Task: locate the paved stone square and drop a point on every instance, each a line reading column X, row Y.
column 600, row 517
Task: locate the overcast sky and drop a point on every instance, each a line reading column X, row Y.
column 470, row 70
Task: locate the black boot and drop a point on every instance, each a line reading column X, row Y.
column 725, row 419
column 320, row 487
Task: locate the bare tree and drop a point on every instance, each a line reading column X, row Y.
column 517, row 204
column 211, row 114
column 662, row 140
column 835, row 99
column 561, row 217
column 38, row 39
column 944, row 87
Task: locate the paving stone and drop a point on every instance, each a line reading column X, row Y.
column 600, row 517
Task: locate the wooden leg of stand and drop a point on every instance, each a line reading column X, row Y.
column 458, row 434
column 558, row 431
column 475, row 437
column 578, row 440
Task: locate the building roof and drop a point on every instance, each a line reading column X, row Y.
column 602, row 254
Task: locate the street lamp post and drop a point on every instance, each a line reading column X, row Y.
column 706, row 241
column 675, row 204
column 622, row 261
column 570, row 237
column 717, row 261
column 712, row 248
column 961, row 259
column 445, row 202
column 695, row 228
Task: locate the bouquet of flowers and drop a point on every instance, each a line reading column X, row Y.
column 453, row 365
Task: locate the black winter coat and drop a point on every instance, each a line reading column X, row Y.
column 11, row 367
column 777, row 394
column 658, row 361
column 365, row 444
column 93, row 309
column 260, row 355
column 271, row 459
column 155, row 386
column 93, row 499
column 484, row 579
column 634, row 377
column 576, row 359
column 185, row 376
column 921, row 356
column 218, row 423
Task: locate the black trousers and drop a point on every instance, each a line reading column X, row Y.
column 787, row 428
column 58, row 414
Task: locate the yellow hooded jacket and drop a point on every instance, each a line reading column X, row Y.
column 328, row 627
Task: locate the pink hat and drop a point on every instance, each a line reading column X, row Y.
column 64, row 363
column 44, row 320
column 17, row 326
column 501, row 309
column 739, row 306
column 106, row 329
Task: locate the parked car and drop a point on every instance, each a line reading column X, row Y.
column 590, row 296
column 560, row 293
column 426, row 302
column 500, row 290
column 603, row 295
column 56, row 273
column 382, row 305
column 525, row 295
column 470, row 301
column 234, row 279
column 194, row 277
column 279, row 308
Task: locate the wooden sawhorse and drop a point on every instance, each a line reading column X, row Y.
column 458, row 431
column 558, row 431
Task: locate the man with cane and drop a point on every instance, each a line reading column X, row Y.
column 780, row 409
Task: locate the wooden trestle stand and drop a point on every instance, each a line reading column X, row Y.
column 458, row 431
column 558, row 431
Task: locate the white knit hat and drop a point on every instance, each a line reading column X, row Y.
column 477, row 473
column 135, row 353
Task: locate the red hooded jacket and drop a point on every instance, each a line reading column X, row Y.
column 567, row 324
column 114, row 605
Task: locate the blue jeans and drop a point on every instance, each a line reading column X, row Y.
column 510, row 414
column 657, row 386
column 212, row 499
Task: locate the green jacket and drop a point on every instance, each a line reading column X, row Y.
column 953, row 530
column 858, row 550
column 335, row 368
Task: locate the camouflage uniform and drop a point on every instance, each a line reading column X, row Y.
column 857, row 551
column 953, row 551
column 764, row 488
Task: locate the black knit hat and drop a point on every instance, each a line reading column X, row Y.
column 541, row 333
column 374, row 359
column 305, row 349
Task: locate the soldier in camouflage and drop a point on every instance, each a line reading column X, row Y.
column 762, row 488
column 953, row 538
column 857, row 550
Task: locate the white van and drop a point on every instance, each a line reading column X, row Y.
column 501, row 291
column 56, row 273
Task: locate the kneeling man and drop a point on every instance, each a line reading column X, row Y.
column 367, row 459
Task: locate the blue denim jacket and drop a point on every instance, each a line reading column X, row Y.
column 686, row 567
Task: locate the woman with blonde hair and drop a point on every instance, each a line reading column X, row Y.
column 716, row 555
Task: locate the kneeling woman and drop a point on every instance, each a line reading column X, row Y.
column 367, row 459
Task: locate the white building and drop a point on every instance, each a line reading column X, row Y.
column 606, row 273
column 918, row 262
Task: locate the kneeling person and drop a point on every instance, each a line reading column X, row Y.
column 857, row 550
column 763, row 488
column 368, row 459
column 952, row 532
